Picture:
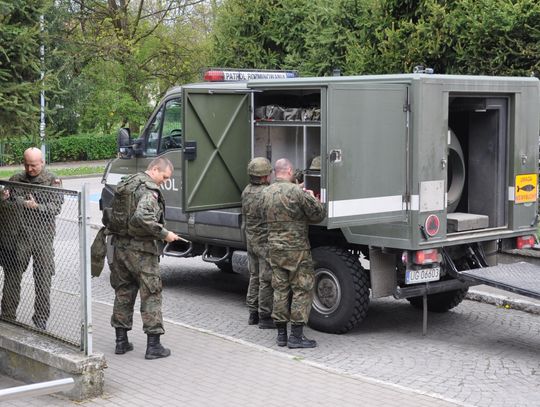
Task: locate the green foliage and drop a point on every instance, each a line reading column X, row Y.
column 71, row 148
column 19, row 66
column 61, row 172
column 82, row 148
column 493, row 37
column 116, row 61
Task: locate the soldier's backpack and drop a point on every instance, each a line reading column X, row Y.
column 123, row 205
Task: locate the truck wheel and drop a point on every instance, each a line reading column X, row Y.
column 341, row 292
column 441, row 302
column 456, row 172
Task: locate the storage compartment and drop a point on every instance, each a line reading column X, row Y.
column 477, row 159
column 287, row 125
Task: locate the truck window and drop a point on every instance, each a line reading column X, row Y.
column 165, row 130
column 152, row 140
column 172, row 126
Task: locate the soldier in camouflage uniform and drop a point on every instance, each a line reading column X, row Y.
column 34, row 211
column 289, row 209
column 135, row 265
column 260, row 294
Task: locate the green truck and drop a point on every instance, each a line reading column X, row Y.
column 425, row 178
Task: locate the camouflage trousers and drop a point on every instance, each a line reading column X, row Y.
column 15, row 264
column 292, row 273
column 260, row 293
column 131, row 272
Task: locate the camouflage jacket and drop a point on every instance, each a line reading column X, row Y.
column 146, row 224
column 254, row 218
column 289, row 210
column 39, row 220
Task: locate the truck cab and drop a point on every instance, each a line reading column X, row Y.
column 424, row 177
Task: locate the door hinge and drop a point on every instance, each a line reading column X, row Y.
column 407, row 107
column 407, row 198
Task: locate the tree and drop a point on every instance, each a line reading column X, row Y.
column 20, row 67
column 495, row 37
column 123, row 56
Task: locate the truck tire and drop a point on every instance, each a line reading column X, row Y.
column 441, row 302
column 341, row 291
column 456, row 172
column 236, row 263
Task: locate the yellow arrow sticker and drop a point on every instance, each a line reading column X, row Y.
column 526, row 188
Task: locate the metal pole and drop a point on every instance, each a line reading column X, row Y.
column 424, row 314
column 36, row 389
column 86, row 284
column 42, row 93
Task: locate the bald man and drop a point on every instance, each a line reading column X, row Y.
column 35, row 210
column 289, row 211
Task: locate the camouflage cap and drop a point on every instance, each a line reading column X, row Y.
column 315, row 163
column 259, row 167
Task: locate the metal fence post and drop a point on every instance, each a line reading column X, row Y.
column 86, row 284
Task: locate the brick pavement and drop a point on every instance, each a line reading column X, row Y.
column 210, row 370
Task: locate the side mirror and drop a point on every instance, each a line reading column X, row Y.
column 123, row 143
column 124, row 137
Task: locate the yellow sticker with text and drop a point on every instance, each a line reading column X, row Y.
column 526, row 188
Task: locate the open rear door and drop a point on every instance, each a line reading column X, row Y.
column 217, row 147
column 367, row 153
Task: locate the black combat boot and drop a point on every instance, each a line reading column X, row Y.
column 253, row 318
column 298, row 340
column 281, row 333
column 265, row 322
column 154, row 349
column 122, row 343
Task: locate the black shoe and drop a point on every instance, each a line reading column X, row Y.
column 122, row 343
column 253, row 318
column 281, row 334
column 266, row 323
column 298, row 340
column 154, row 349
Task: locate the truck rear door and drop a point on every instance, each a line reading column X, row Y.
column 367, row 153
column 217, row 147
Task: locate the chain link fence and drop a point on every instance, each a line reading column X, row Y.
column 43, row 260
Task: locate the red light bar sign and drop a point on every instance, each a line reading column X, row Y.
column 236, row 76
column 526, row 188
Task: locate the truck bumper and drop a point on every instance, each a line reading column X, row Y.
column 418, row 290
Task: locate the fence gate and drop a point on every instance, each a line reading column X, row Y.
column 44, row 256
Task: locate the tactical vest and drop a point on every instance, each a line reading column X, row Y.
column 123, row 205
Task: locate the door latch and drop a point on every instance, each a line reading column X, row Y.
column 190, row 150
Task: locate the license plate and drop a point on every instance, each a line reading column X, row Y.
column 422, row 276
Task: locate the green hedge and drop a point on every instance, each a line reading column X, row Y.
column 70, row 148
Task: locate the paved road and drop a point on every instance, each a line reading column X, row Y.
column 477, row 354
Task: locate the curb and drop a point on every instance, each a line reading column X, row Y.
column 503, row 302
column 523, row 253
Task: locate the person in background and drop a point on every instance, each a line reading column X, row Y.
column 35, row 211
column 259, row 297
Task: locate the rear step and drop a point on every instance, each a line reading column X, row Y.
column 521, row 278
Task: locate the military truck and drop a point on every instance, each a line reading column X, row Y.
column 424, row 177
